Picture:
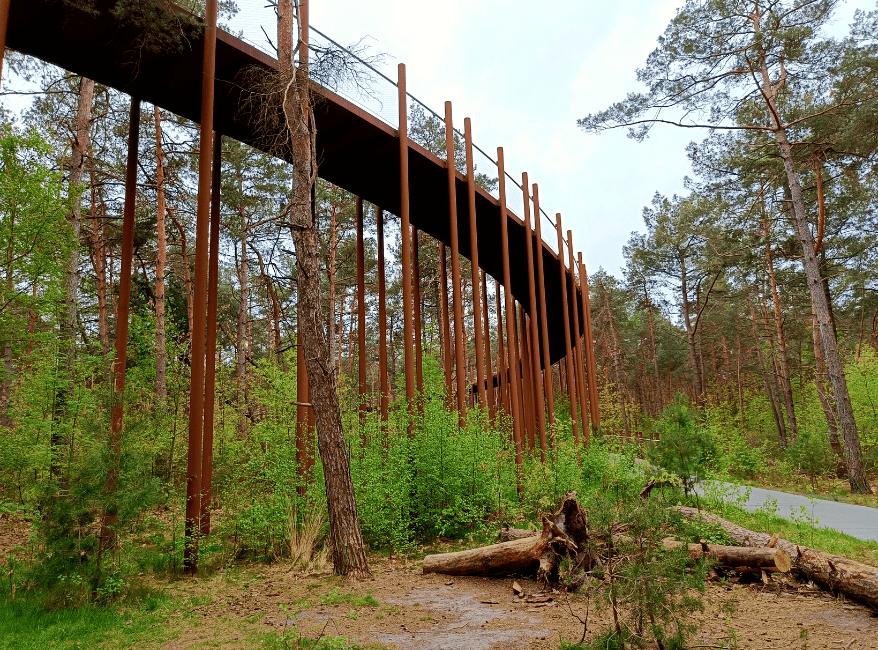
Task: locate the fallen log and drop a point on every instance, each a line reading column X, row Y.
column 739, row 557
column 834, row 572
column 516, row 556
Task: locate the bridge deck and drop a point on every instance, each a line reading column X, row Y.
column 356, row 150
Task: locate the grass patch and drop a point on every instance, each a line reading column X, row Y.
column 763, row 520
column 26, row 624
column 829, row 489
column 334, row 597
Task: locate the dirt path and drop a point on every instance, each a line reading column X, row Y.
column 401, row 608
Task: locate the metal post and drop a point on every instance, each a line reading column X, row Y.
column 416, row 286
column 210, row 347
column 528, row 380
column 4, row 24
column 382, row 318
column 540, row 405
column 199, row 298
column 568, row 373
column 406, row 234
column 119, row 363
column 579, row 366
column 511, row 343
column 489, row 366
column 460, row 366
column 503, row 381
column 446, row 326
column 361, row 310
column 474, row 257
column 591, row 366
column 548, row 375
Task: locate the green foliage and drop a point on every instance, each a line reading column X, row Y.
column 685, row 448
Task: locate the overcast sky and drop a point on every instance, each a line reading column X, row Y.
column 524, row 72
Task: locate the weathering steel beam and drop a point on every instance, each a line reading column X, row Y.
column 210, row 347
column 4, row 24
column 540, row 384
column 446, row 326
column 591, row 365
column 488, row 362
column 406, row 234
column 361, row 309
column 511, row 344
column 569, row 373
column 199, row 298
column 416, row 291
column 460, row 367
column 474, row 257
column 384, row 385
column 548, row 375
column 578, row 365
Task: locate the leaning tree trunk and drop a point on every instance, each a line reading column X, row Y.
column 349, row 556
column 819, row 302
column 820, row 306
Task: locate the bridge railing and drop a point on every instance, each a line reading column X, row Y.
column 365, row 86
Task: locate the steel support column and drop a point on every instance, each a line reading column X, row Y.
column 489, row 365
column 120, row 361
column 539, row 382
column 590, row 364
column 199, row 298
column 4, row 24
column 474, row 258
column 382, row 318
column 548, row 375
column 446, row 327
column 210, row 346
column 416, row 297
column 568, row 368
column 511, row 343
column 503, row 377
column 579, row 366
column 361, row 311
column 406, row 234
column 528, row 380
column 460, row 366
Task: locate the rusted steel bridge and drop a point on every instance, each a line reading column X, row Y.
column 213, row 80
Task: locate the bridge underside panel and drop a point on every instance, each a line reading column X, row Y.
column 356, row 151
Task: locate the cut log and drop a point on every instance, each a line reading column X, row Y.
column 770, row 559
column 516, row 556
column 834, row 572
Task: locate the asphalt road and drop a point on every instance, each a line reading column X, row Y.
column 858, row 521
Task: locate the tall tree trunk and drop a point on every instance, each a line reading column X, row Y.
column 348, row 552
column 161, row 352
column 658, row 384
column 184, row 263
column 819, row 303
column 690, row 335
column 767, row 378
column 99, row 261
column 825, row 398
column 783, row 359
column 617, row 371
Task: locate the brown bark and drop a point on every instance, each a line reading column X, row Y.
column 654, row 345
column 819, row 302
column 783, row 360
column 99, row 262
column 767, row 378
column 349, row 556
column 184, row 263
column 826, row 399
column 831, row 571
column 615, row 355
column 739, row 557
column 161, row 355
column 519, row 555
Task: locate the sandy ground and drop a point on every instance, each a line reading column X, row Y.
column 434, row 612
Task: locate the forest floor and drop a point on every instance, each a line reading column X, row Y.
column 259, row 606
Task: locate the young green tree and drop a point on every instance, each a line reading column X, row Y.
column 735, row 63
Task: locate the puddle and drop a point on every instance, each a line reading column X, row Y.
column 463, row 625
